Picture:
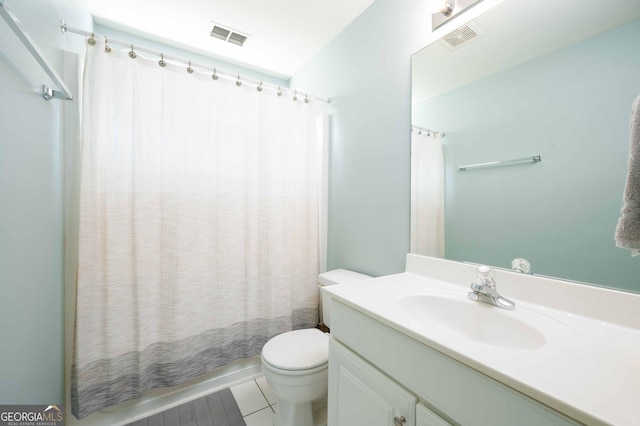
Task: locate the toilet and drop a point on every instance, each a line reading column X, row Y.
column 295, row 363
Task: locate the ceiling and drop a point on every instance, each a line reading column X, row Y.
column 284, row 34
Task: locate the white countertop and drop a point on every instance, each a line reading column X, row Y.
column 589, row 365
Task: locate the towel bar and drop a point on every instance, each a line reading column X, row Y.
column 526, row 160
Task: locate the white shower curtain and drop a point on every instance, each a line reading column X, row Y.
column 427, row 194
column 198, row 232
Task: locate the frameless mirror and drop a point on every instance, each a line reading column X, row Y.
column 539, row 78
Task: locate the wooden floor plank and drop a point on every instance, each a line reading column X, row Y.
column 201, row 411
column 155, row 420
column 171, row 417
column 186, row 413
column 234, row 416
column 216, row 409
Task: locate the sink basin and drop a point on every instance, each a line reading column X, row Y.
column 477, row 321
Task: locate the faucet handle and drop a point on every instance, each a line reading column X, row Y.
column 486, row 276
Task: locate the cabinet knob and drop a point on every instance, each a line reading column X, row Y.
column 399, row 421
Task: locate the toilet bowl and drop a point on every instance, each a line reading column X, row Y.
column 295, row 363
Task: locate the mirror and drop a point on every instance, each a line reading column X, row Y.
column 540, row 78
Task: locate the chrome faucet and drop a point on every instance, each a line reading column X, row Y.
column 486, row 291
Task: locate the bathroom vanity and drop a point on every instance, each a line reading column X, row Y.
column 412, row 349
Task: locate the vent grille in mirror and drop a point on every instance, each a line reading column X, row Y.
column 459, row 37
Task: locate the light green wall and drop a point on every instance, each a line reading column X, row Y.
column 572, row 107
column 367, row 69
column 31, row 219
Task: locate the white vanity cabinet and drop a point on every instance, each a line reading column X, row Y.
column 426, row 417
column 361, row 395
column 378, row 374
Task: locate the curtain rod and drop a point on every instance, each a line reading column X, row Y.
column 429, row 132
column 258, row 84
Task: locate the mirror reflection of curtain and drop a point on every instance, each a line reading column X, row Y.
column 427, row 194
column 198, row 234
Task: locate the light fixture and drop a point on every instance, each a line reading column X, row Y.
column 443, row 6
column 443, row 11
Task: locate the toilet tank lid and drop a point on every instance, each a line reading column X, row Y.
column 341, row 276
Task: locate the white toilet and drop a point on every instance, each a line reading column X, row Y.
column 295, row 363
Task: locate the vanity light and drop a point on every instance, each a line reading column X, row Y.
column 443, row 6
column 445, row 10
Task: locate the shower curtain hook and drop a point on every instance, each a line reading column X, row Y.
column 238, row 83
column 259, row 88
column 214, row 75
column 132, row 54
column 91, row 40
column 162, row 62
column 107, row 48
column 279, row 91
column 189, row 69
column 295, row 96
column 306, row 98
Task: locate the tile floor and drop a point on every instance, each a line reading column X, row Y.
column 258, row 403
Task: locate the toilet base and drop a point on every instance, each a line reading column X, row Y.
column 288, row 414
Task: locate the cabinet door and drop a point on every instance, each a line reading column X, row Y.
column 360, row 395
column 426, row 417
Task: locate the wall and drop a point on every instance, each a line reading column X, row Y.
column 367, row 70
column 572, row 107
column 31, row 218
column 222, row 66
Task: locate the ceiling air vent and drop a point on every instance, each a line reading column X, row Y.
column 461, row 36
column 228, row 35
column 236, row 38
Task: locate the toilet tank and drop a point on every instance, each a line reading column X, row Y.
column 337, row 276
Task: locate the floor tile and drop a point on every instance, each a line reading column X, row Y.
column 249, row 397
column 263, row 417
column 266, row 389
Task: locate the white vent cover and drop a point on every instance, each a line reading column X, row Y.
column 228, row 35
column 461, row 36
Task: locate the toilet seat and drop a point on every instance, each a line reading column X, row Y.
column 298, row 351
column 278, row 372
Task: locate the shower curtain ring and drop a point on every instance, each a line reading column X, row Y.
column 295, row 96
column 91, row 40
column 189, row 69
column 238, row 83
column 107, row 48
column 132, row 54
column 306, row 98
column 214, row 75
column 279, row 91
column 162, row 62
column 259, row 88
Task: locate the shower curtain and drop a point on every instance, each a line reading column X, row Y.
column 427, row 194
column 198, row 234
